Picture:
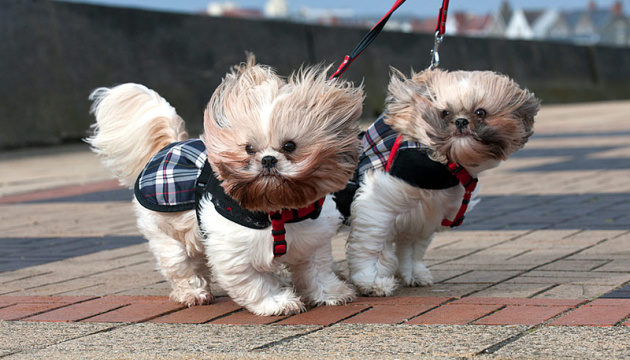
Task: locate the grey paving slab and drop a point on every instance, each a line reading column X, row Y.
column 17, row 337
column 154, row 341
column 341, row 341
column 569, row 343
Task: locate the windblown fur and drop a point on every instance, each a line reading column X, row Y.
column 276, row 144
column 474, row 118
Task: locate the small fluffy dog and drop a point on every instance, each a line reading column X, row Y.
column 417, row 172
column 272, row 151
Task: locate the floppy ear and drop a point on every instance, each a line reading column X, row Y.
column 528, row 109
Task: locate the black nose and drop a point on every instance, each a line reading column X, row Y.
column 268, row 161
column 461, row 123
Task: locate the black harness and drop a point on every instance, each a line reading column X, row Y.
column 207, row 183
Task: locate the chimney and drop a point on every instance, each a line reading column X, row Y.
column 592, row 5
column 617, row 8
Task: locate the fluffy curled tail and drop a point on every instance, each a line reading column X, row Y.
column 132, row 124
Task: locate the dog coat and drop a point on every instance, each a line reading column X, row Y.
column 383, row 149
column 179, row 176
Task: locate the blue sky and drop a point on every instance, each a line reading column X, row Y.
column 370, row 7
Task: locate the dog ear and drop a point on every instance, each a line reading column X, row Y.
column 529, row 107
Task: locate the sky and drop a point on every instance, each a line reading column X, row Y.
column 362, row 7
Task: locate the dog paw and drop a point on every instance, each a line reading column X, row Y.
column 340, row 294
column 286, row 303
column 192, row 297
column 421, row 276
column 384, row 286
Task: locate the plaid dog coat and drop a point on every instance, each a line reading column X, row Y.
column 384, row 150
column 178, row 176
column 167, row 183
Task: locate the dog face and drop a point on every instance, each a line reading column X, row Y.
column 469, row 117
column 279, row 143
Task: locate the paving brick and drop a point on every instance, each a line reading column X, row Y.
column 400, row 300
column 20, row 311
column 568, row 291
column 324, row 315
column 135, row 313
column 388, row 314
column 601, row 312
column 76, row 312
column 199, row 314
column 12, row 299
column 247, row 318
column 522, row 315
column 519, row 301
column 61, row 192
column 453, row 314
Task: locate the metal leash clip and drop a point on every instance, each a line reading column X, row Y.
column 435, row 56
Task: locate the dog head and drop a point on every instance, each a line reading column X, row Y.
column 474, row 118
column 282, row 143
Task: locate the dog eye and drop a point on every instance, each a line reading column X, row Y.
column 288, row 147
column 249, row 150
column 481, row 113
column 445, row 113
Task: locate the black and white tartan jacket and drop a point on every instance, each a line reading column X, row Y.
column 178, row 176
column 408, row 160
column 382, row 149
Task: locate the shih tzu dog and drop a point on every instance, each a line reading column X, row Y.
column 418, row 168
column 249, row 198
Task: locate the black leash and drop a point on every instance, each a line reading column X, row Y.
column 365, row 42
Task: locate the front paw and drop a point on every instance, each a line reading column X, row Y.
column 339, row 294
column 286, row 303
column 420, row 276
column 381, row 286
column 192, row 297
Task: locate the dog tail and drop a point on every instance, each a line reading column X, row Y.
column 132, row 124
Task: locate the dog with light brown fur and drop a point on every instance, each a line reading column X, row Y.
column 272, row 144
column 417, row 172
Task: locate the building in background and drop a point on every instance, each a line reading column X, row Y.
column 588, row 26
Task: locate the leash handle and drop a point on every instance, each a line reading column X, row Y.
column 365, row 42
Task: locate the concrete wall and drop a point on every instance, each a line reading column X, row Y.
column 53, row 54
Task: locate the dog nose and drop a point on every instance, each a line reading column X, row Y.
column 461, row 123
column 268, row 161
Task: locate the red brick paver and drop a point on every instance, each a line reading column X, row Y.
column 61, row 192
column 522, row 315
column 200, row 314
column 20, row 307
column 601, row 312
column 325, row 315
column 454, row 314
column 393, row 310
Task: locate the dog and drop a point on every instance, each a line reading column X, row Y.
column 418, row 169
column 251, row 197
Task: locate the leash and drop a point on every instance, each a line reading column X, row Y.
column 365, row 42
column 440, row 29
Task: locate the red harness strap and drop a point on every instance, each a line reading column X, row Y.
column 469, row 183
column 465, row 179
column 278, row 218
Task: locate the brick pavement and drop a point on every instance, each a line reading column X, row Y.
column 549, row 238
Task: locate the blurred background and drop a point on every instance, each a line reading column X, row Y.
column 54, row 53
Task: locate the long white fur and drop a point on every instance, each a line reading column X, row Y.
column 133, row 123
column 386, row 210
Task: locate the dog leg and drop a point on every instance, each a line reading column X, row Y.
column 371, row 260
column 316, row 281
column 187, row 274
column 410, row 252
column 260, row 292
